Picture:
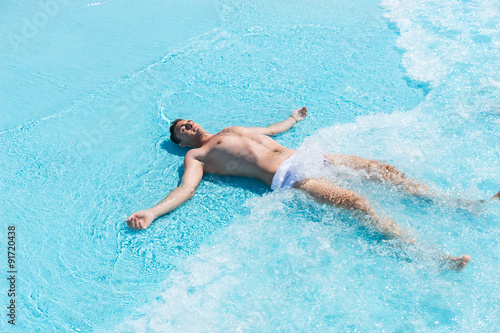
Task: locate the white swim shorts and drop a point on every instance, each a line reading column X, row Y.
column 292, row 170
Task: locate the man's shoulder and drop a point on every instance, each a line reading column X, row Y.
column 196, row 154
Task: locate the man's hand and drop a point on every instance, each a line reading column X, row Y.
column 299, row 114
column 140, row 219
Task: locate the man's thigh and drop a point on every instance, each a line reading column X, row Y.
column 352, row 161
column 325, row 191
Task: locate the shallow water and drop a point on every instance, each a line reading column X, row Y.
column 412, row 83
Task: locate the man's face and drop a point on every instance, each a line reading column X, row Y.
column 187, row 131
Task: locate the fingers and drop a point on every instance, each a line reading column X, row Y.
column 303, row 111
column 130, row 217
column 130, row 221
column 133, row 223
column 137, row 224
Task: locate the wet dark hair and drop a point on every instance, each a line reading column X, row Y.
column 173, row 137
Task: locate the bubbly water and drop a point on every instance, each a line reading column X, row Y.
column 87, row 100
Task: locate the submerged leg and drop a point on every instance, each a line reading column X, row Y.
column 324, row 191
column 376, row 170
column 379, row 171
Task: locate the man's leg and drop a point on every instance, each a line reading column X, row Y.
column 324, row 191
column 379, row 171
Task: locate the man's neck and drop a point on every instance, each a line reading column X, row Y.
column 203, row 139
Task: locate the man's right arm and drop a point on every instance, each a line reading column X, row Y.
column 282, row 126
column 193, row 172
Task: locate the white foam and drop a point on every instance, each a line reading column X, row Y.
column 437, row 35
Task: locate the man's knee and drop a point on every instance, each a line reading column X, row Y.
column 391, row 169
column 390, row 173
column 360, row 203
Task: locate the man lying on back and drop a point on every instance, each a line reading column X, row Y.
column 250, row 152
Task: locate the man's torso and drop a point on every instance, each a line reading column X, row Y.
column 237, row 151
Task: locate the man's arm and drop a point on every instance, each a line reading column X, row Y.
column 282, row 126
column 193, row 172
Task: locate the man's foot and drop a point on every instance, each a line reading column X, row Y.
column 458, row 263
column 496, row 196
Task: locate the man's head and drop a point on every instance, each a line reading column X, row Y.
column 173, row 137
column 186, row 133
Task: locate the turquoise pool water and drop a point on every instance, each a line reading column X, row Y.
column 87, row 96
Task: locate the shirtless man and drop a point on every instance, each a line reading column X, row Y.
column 250, row 152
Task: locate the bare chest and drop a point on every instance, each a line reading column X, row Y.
column 228, row 154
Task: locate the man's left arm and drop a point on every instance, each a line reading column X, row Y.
column 282, row 126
